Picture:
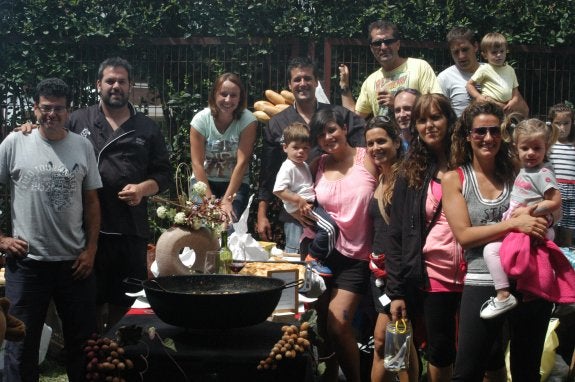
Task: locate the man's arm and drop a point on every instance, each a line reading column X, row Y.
column 347, row 100
column 84, row 264
column 270, row 163
column 132, row 194
column 159, row 172
column 516, row 103
column 13, row 245
column 263, row 225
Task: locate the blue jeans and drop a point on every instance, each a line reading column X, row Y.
column 293, row 232
column 30, row 285
column 240, row 200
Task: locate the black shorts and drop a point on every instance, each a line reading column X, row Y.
column 348, row 274
column 118, row 257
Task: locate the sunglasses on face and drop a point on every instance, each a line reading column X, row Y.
column 387, row 42
column 481, row 132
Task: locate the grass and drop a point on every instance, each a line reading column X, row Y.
column 52, row 370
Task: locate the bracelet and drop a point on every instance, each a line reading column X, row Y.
column 344, row 90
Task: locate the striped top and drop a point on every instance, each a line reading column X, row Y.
column 562, row 155
column 481, row 212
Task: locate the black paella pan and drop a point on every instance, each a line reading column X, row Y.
column 213, row 301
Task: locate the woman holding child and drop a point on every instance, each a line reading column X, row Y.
column 423, row 260
column 475, row 197
column 341, row 169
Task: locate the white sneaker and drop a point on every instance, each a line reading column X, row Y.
column 493, row 307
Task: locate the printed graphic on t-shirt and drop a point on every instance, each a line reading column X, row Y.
column 491, row 215
column 221, row 157
column 393, row 83
column 57, row 182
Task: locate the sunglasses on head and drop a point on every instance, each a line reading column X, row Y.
column 381, row 118
column 481, row 132
column 387, row 42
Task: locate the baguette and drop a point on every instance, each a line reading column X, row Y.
column 261, row 116
column 259, row 105
column 281, row 107
column 274, row 97
column 288, row 96
column 271, row 110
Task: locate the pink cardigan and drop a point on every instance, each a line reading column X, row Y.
column 540, row 268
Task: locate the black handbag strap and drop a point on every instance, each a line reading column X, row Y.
column 434, row 218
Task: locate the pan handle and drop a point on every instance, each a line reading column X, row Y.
column 133, row 281
column 298, row 283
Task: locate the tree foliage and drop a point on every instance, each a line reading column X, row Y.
column 41, row 38
column 525, row 21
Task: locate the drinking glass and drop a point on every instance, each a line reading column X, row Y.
column 382, row 89
column 211, row 262
column 238, row 260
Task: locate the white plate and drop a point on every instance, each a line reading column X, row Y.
column 141, row 300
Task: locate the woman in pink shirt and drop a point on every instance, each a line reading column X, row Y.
column 345, row 178
column 424, row 263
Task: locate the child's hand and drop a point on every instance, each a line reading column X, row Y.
column 304, row 207
column 510, row 105
column 520, row 211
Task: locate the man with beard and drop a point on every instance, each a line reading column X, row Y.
column 134, row 164
column 377, row 92
column 303, row 83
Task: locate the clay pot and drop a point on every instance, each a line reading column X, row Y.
column 171, row 243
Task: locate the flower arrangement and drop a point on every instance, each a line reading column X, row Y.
column 195, row 210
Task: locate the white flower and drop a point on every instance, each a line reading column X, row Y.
column 180, row 218
column 161, row 212
column 200, row 189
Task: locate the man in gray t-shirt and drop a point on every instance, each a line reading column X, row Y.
column 463, row 47
column 53, row 179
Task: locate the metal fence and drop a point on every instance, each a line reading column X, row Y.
column 546, row 76
column 164, row 67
